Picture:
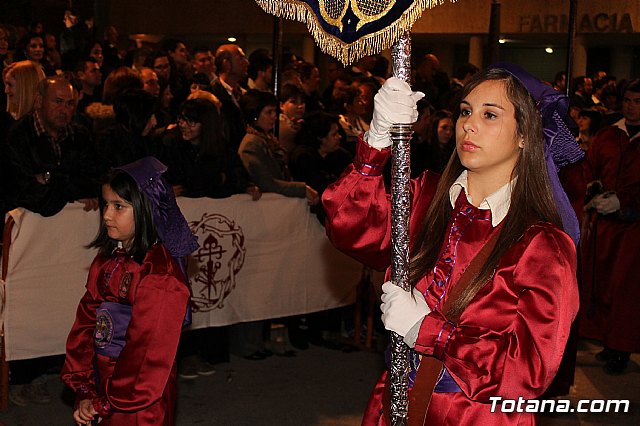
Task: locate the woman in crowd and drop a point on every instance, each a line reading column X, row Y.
column 20, row 81
column 434, row 152
column 200, row 161
column 292, row 109
column 51, row 53
column 352, row 121
column 166, row 97
column 588, row 124
column 101, row 114
column 5, row 57
column 318, row 159
column 421, row 134
column 130, row 138
column 31, row 46
column 261, row 153
column 492, row 272
column 94, row 50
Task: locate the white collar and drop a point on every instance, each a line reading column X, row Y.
column 622, row 125
column 498, row 202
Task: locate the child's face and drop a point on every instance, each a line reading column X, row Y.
column 118, row 217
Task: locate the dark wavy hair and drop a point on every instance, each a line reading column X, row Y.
column 145, row 234
column 203, row 111
column 291, row 91
column 434, row 122
column 253, row 102
column 133, row 109
column 595, row 118
column 316, row 126
column 23, row 43
column 531, row 197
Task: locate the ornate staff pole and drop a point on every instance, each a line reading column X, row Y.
column 400, row 172
column 348, row 30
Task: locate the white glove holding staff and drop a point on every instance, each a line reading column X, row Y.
column 394, row 103
column 401, row 312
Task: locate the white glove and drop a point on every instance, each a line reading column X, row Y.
column 606, row 203
column 394, row 103
column 400, row 311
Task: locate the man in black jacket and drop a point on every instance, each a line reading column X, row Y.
column 232, row 65
column 51, row 161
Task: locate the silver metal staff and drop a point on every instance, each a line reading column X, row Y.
column 400, row 172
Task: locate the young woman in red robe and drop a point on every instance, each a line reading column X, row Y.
column 504, row 331
column 121, row 349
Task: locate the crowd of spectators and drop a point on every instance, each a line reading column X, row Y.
column 75, row 106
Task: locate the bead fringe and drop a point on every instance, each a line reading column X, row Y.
column 348, row 53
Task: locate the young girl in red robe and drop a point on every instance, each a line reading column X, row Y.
column 502, row 332
column 121, row 349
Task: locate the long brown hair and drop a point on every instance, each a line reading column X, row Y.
column 531, row 193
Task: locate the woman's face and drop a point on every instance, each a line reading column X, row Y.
column 293, row 108
column 267, row 119
column 190, row 129
column 96, row 53
column 487, row 140
column 584, row 123
column 445, row 131
column 357, row 107
column 35, row 49
column 331, row 142
column 10, row 88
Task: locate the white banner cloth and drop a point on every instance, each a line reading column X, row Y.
column 257, row 260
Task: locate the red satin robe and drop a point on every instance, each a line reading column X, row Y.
column 610, row 251
column 510, row 339
column 138, row 387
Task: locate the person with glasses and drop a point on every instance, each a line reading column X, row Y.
column 201, row 163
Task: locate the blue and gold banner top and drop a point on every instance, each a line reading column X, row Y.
column 351, row 29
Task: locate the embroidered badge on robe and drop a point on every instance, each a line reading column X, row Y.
column 103, row 332
column 125, row 283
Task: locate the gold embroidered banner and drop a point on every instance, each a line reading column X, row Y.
column 351, row 29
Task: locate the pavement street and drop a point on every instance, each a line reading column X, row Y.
column 323, row 387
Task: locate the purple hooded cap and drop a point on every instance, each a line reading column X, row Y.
column 170, row 224
column 560, row 146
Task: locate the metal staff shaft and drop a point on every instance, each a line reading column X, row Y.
column 400, row 137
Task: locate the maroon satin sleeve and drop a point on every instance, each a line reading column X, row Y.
column 78, row 369
column 510, row 339
column 141, row 372
column 358, row 208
